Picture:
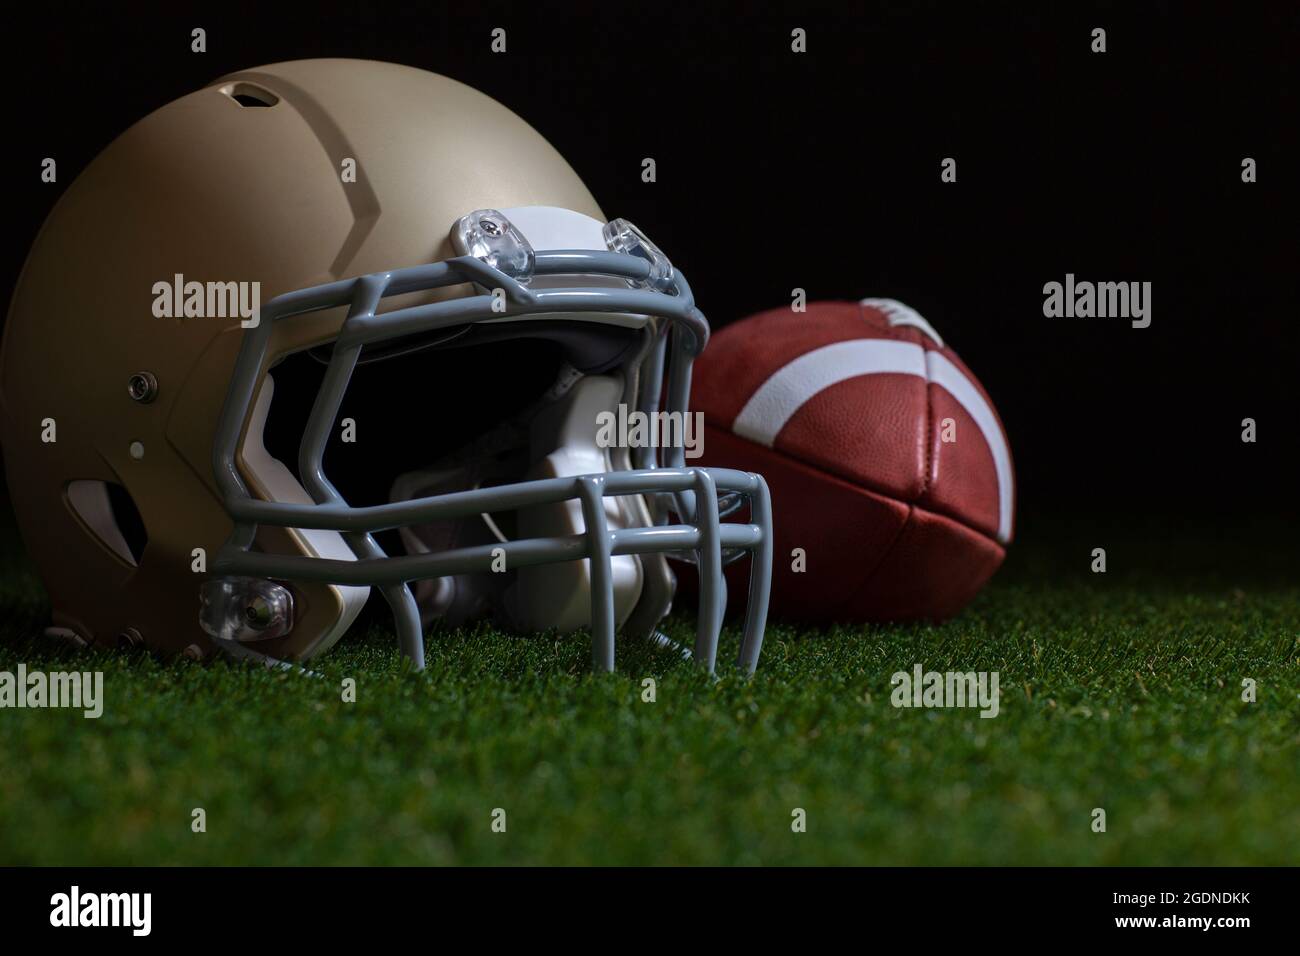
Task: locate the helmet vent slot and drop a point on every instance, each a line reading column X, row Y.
column 107, row 511
column 248, row 95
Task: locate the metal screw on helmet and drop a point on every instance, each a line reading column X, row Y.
column 142, row 387
column 258, row 613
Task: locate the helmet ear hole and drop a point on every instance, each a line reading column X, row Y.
column 108, row 512
column 248, row 95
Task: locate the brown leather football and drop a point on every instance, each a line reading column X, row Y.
column 887, row 462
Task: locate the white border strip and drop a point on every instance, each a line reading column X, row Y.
column 899, row 314
column 952, row 380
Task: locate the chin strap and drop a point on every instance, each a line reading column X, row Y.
column 243, row 653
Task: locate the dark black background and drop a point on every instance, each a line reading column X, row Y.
column 821, row 171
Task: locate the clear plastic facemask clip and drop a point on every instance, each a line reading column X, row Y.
column 245, row 609
column 623, row 237
column 488, row 235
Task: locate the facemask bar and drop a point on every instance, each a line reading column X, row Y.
column 694, row 490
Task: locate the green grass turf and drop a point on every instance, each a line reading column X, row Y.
column 1119, row 691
